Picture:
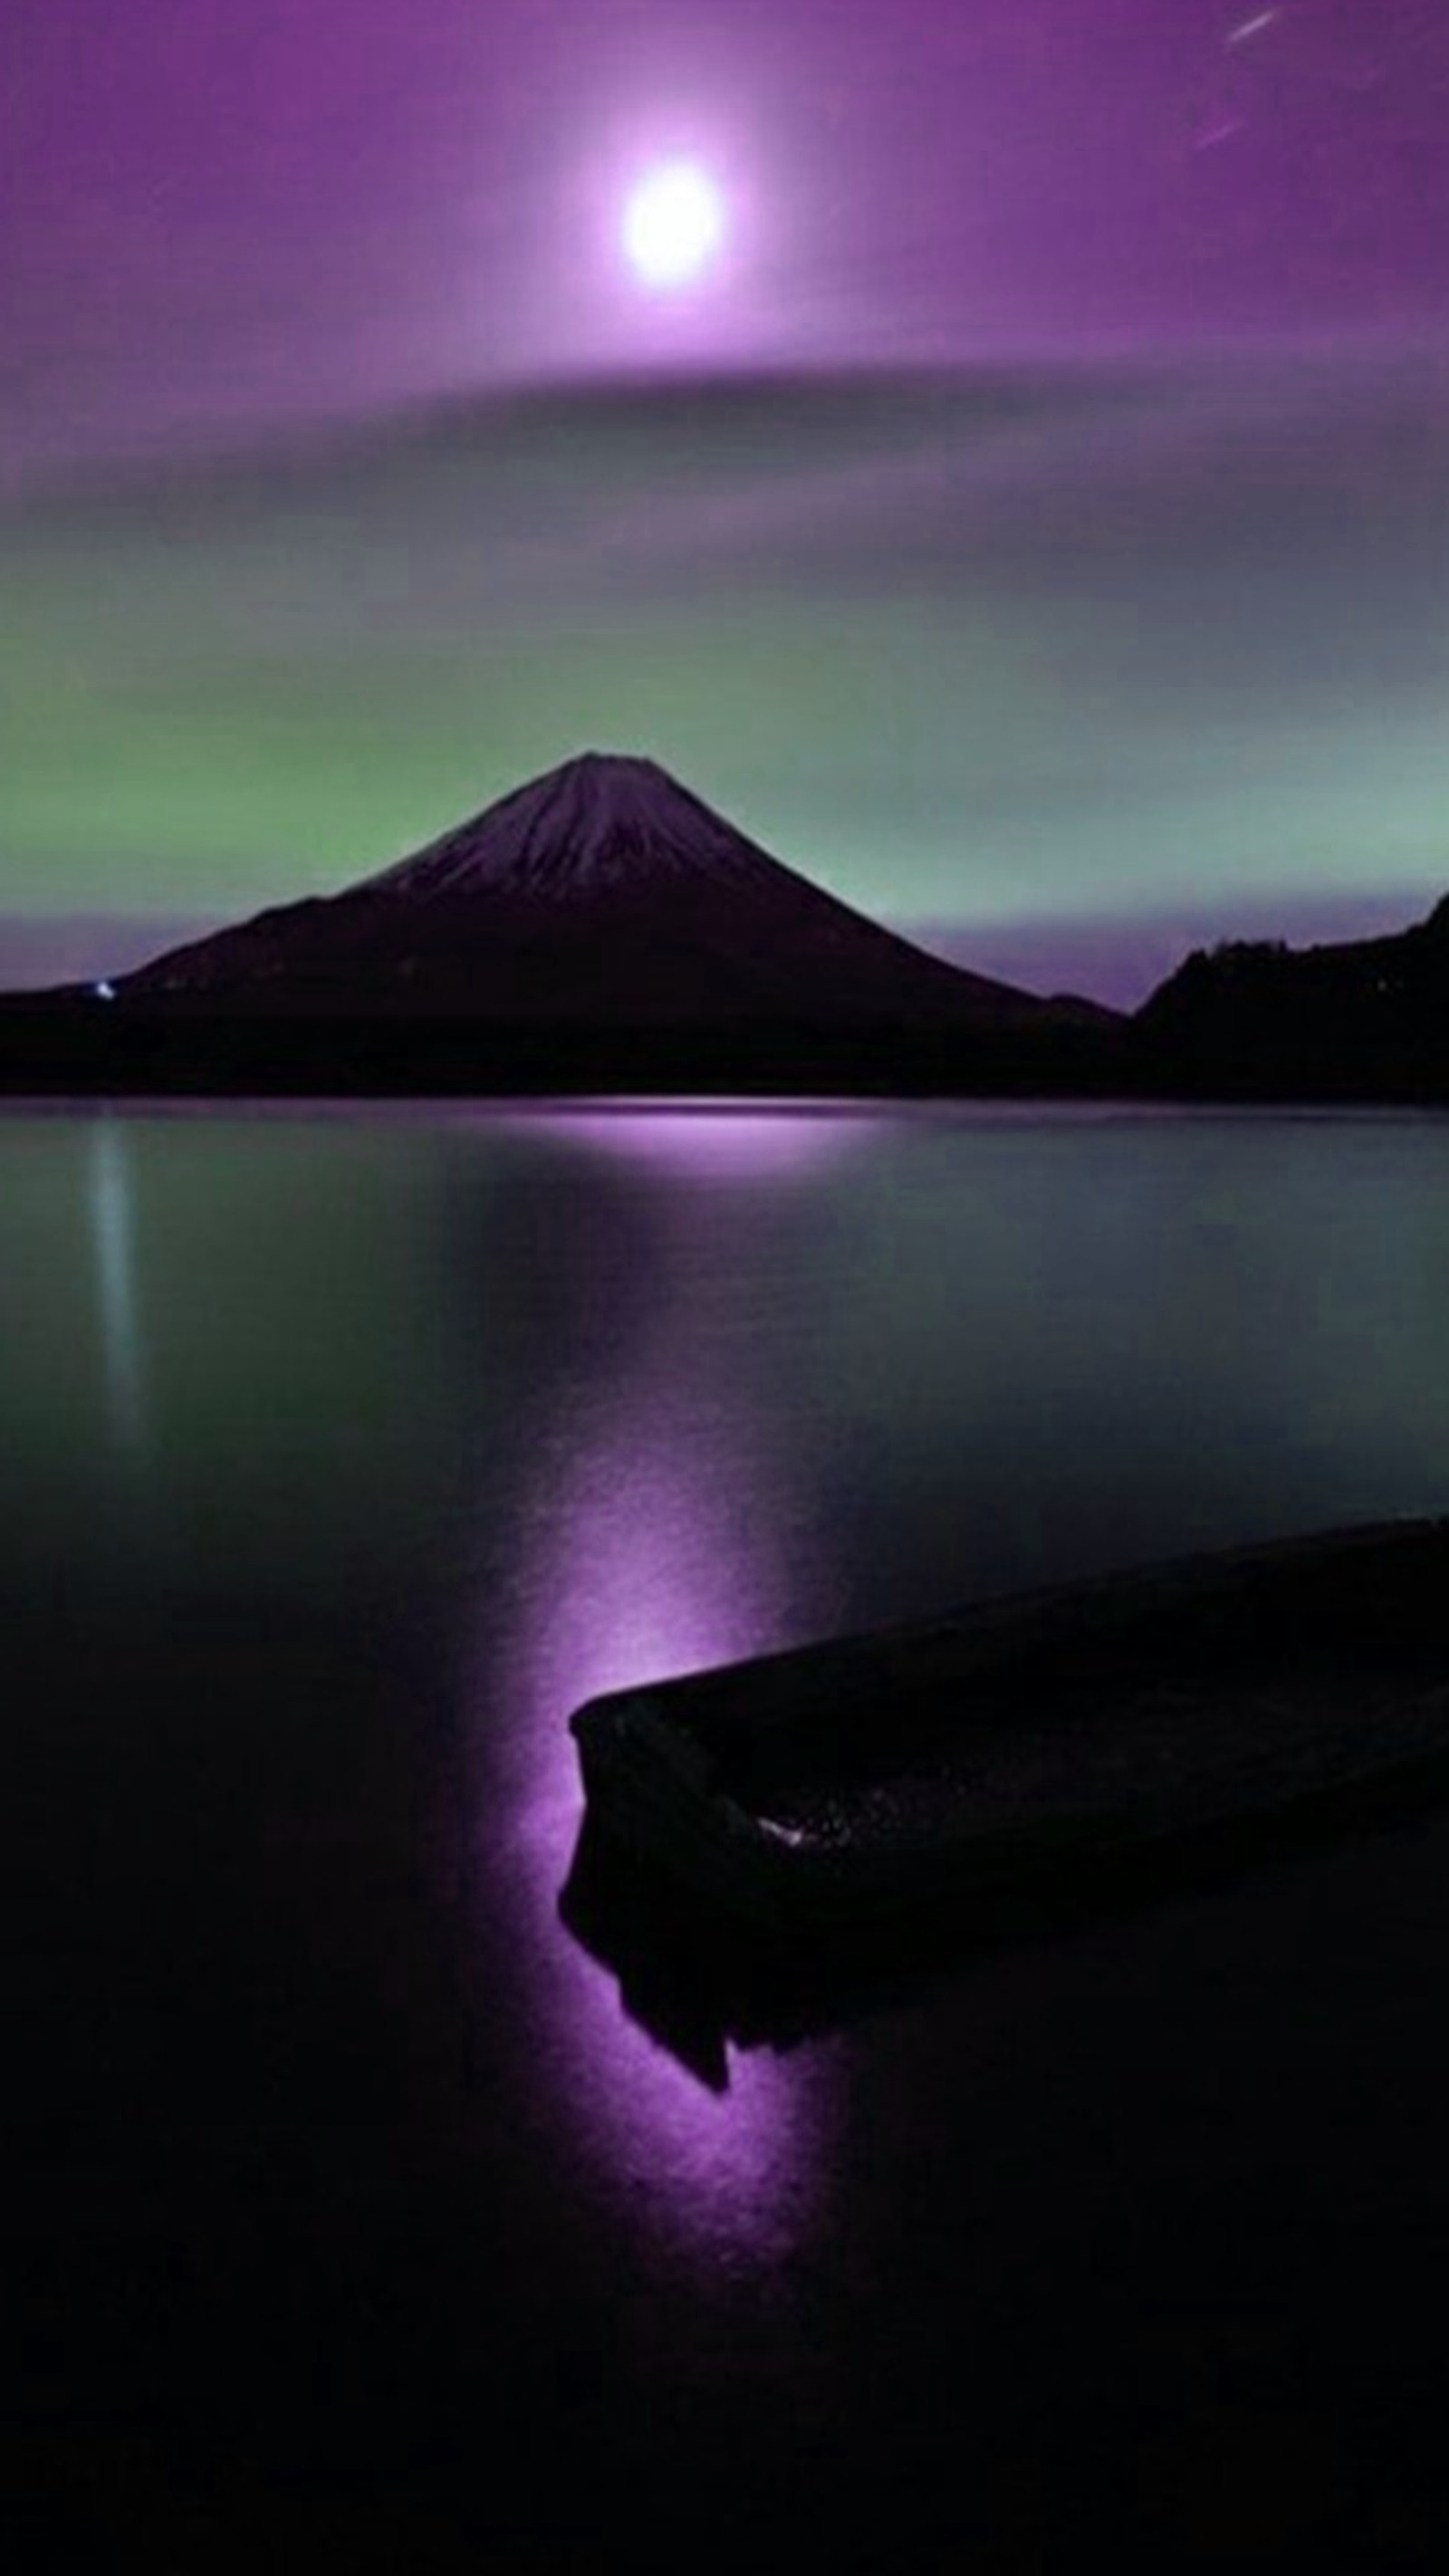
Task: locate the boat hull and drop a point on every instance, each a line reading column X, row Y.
column 861, row 1780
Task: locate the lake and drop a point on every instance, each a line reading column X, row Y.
column 343, row 1454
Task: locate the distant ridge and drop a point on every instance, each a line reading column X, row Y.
column 603, row 892
column 1356, row 1018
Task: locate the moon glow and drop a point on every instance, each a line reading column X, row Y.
column 674, row 224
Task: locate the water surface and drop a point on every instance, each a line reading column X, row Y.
column 343, row 1455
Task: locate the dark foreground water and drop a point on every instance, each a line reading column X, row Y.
column 355, row 2222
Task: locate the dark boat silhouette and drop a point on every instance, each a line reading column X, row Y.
column 850, row 1786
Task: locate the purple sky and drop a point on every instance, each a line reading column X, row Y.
column 1037, row 517
column 215, row 214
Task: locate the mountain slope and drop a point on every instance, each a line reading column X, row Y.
column 602, row 893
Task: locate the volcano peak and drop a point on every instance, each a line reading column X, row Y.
column 602, row 824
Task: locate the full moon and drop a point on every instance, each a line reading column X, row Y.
column 673, row 224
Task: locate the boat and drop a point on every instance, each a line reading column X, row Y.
column 848, row 1785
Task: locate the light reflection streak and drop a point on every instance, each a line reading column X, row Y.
column 642, row 1574
column 657, row 1540
column 708, row 1146
column 111, row 1205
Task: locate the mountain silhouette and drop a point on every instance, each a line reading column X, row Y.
column 1362, row 1018
column 601, row 894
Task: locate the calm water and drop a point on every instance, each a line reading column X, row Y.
column 342, row 1456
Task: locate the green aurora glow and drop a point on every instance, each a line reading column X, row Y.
column 965, row 647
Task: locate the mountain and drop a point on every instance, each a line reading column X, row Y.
column 603, row 894
column 1358, row 1019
